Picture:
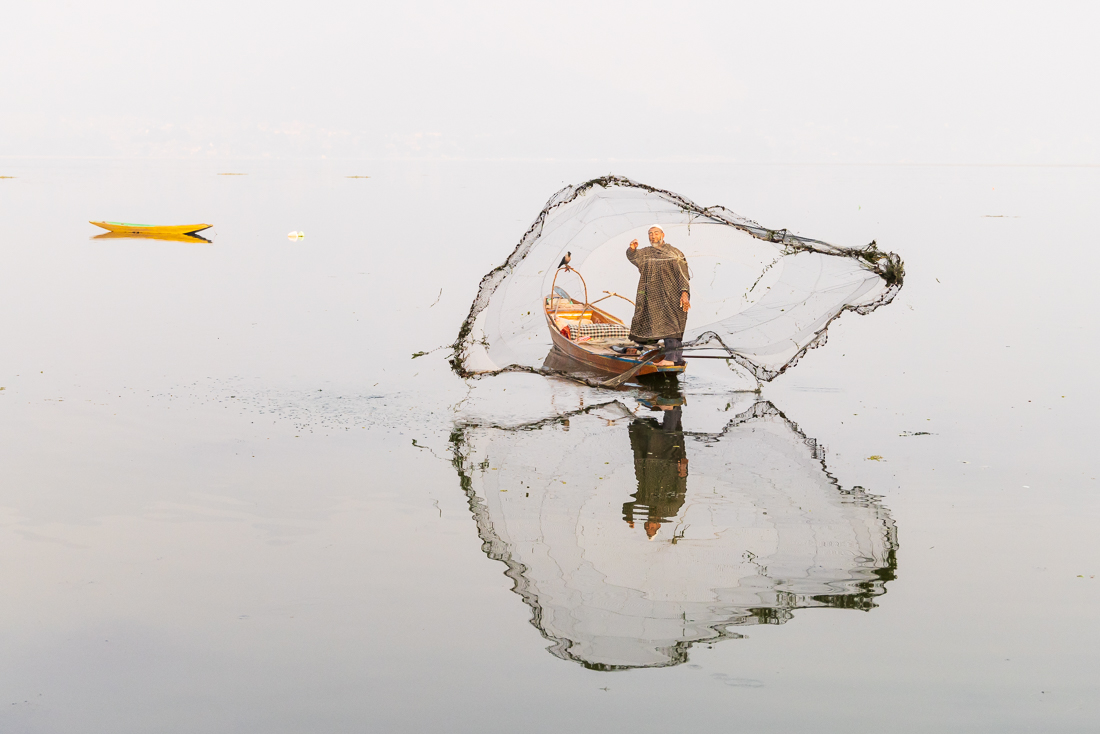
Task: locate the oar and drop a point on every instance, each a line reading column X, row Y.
column 704, row 356
column 609, row 294
column 648, row 357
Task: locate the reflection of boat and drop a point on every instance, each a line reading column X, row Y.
column 627, row 559
column 194, row 238
column 587, row 334
column 153, row 230
column 556, row 361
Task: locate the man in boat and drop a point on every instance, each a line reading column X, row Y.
column 664, row 295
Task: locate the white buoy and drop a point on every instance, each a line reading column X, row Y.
column 296, row 235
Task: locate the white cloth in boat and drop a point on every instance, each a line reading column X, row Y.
column 598, row 331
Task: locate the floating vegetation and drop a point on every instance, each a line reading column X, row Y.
column 894, row 271
column 357, row 177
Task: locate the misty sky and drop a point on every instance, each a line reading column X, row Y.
column 754, row 82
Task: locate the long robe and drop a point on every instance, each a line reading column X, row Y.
column 663, row 276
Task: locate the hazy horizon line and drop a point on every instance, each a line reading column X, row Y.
column 448, row 159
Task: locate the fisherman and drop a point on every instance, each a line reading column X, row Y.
column 664, row 295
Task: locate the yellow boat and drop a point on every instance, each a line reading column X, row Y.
column 151, row 229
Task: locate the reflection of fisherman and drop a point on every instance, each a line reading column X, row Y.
column 664, row 295
column 661, row 467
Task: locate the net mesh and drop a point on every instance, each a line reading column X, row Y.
column 662, row 277
column 761, row 296
column 631, row 538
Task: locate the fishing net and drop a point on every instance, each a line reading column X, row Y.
column 631, row 539
column 761, row 297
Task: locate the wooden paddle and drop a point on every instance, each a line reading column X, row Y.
column 650, row 356
column 705, row 356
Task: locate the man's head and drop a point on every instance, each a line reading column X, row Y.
column 656, row 235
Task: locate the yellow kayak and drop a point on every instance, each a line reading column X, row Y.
column 151, row 229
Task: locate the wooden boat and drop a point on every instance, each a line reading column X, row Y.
column 151, row 229
column 586, row 334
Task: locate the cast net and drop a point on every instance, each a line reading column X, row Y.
column 762, row 297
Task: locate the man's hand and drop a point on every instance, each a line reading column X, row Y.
column 634, row 244
column 685, row 302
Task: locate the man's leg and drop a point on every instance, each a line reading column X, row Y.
column 673, row 350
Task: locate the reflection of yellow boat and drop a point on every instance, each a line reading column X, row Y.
column 152, row 229
column 193, row 238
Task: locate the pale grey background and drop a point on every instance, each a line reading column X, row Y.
column 930, row 82
column 212, row 514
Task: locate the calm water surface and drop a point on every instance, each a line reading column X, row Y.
column 231, row 501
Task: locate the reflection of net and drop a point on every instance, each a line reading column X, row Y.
column 763, row 296
column 756, row 529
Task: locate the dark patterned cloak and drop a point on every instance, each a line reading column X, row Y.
column 663, row 277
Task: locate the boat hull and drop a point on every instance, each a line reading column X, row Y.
column 151, row 229
column 601, row 361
